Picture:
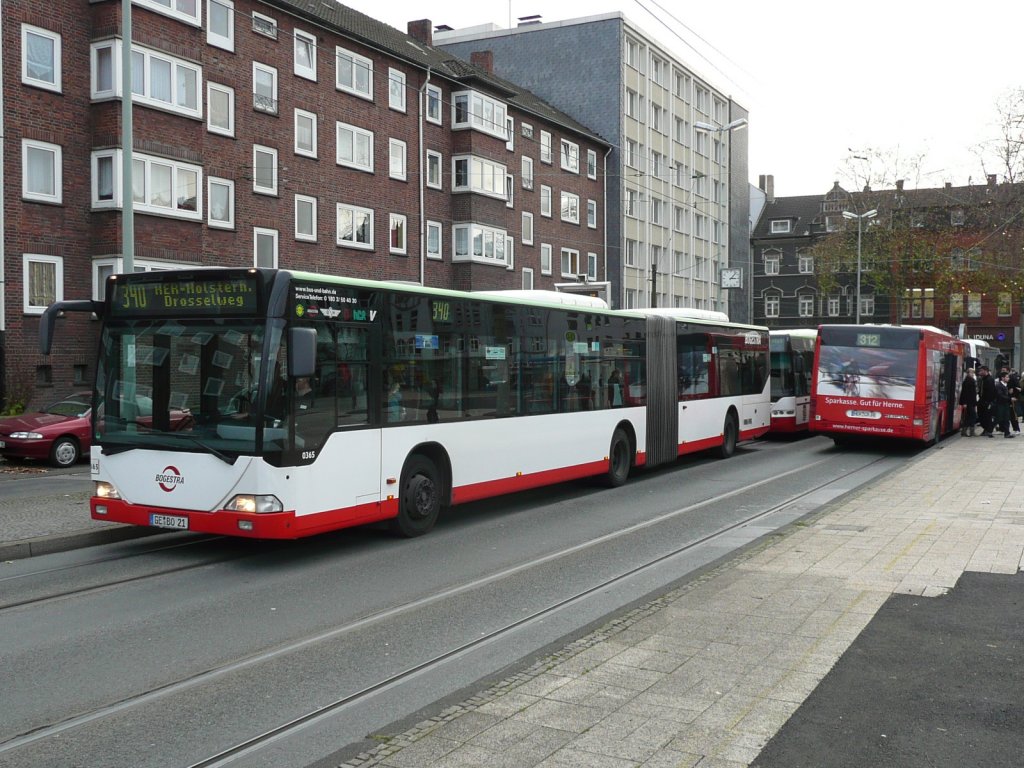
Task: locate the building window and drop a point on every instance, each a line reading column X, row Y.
column 305, row 55
column 434, row 161
column 41, row 171
column 103, row 61
column 805, row 263
column 780, row 226
column 183, row 10
column 399, row 231
column 545, row 258
column 355, row 226
column 162, row 81
column 396, row 159
column 591, row 164
column 592, row 214
column 510, row 254
column 43, row 279
column 479, row 112
column 956, row 305
column 510, row 131
column 434, row 245
column 527, row 172
column 918, row 302
column 264, row 88
column 305, row 133
column 434, row 104
column 592, row 266
column 354, row 74
column 159, row 186
column 527, row 279
column 264, row 170
column 545, row 147
column 1004, row 304
column 956, row 217
column 631, row 206
column 40, row 58
column 833, row 306
column 396, row 90
column 264, row 25
column 805, row 305
column 771, row 306
column 527, row 233
column 264, row 247
column 220, row 111
column 479, row 243
column 545, row 200
column 475, row 174
column 867, row 306
column 570, row 207
column 632, row 250
column 571, row 263
column 305, row 218
column 570, row 156
column 355, row 148
column 220, row 23
column 221, row 194
column 974, row 305
column 771, row 262
column 510, row 190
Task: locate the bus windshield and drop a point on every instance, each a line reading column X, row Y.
column 867, row 372
column 186, row 384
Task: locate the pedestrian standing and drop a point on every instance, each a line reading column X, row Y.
column 969, row 403
column 1002, row 405
column 986, row 400
column 1013, row 384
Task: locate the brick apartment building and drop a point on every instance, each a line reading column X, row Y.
column 290, row 134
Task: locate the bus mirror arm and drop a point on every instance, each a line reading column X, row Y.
column 301, row 352
column 57, row 309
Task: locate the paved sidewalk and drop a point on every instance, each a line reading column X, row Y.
column 707, row 674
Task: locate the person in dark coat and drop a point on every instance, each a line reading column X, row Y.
column 1003, row 402
column 969, row 402
column 986, row 400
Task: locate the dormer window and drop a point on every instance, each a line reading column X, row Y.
column 956, row 217
column 781, row 226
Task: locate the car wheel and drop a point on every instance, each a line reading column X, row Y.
column 64, row 452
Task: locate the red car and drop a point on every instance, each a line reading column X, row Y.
column 60, row 433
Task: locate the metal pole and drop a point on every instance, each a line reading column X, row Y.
column 860, row 219
column 127, row 186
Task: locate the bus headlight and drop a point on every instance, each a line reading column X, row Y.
column 252, row 504
column 105, row 490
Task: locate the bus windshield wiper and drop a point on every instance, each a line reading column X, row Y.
column 207, row 447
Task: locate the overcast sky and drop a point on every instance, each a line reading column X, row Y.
column 823, row 82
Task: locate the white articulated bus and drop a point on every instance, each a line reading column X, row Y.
column 280, row 404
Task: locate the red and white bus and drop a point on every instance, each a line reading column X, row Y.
column 792, row 358
column 277, row 404
column 886, row 381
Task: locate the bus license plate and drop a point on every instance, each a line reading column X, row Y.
column 169, row 521
column 864, row 414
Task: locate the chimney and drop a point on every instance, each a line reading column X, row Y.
column 991, row 179
column 421, row 30
column 867, row 187
column 767, row 185
column 484, row 60
column 949, row 185
column 899, row 185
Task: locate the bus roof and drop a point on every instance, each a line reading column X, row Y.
column 554, row 297
column 795, row 333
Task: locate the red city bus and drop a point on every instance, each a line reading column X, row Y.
column 886, row 381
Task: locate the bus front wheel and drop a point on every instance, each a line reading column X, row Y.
column 420, row 501
column 730, row 435
column 620, row 459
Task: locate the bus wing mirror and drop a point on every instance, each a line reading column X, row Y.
column 57, row 309
column 301, row 352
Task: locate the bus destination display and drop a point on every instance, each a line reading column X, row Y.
column 228, row 296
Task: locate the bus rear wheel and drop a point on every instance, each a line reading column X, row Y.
column 419, row 503
column 620, row 459
column 730, row 436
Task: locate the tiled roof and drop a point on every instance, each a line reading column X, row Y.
column 369, row 31
column 800, row 211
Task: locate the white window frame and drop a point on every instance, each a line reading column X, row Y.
column 264, row 25
column 435, row 99
column 356, row 133
column 545, row 147
column 479, row 112
column 257, row 188
column 480, row 244
column 482, row 176
column 867, row 305
column 526, row 236
column 397, row 163
column 215, row 38
column 805, row 263
column 401, row 222
column 396, row 90
column 56, row 171
column 300, row 150
column 833, row 306
column 229, row 185
column 55, row 60
column 592, row 214
column 780, row 226
column 58, row 281
column 274, row 235
column 545, row 200
column 435, row 232
column 304, row 41
column 354, row 211
column 527, row 279
column 171, row 8
column 142, row 176
column 570, row 256
column 358, row 63
column 772, row 263
column 570, row 154
column 805, row 305
column 510, row 132
column 570, row 207
column 527, row 172
column 545, row 258
column 262, row 102
column 177, row 67
column 212, row 87
column 510, row 190
column 311, row 201
column 510, row 254
column 771, row 306
column 591, row 265
column 591, row 164
column 435, row 173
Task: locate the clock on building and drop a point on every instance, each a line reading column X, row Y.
column 732, row 278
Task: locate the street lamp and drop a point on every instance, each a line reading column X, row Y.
column 860, row 221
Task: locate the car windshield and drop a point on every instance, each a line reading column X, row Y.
column 74, row 406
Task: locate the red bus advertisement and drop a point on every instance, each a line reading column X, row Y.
column 886, row 381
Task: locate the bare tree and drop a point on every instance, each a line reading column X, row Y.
column 1003, row 155
column 881, row 168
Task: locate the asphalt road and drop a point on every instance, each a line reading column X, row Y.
column 188, row 645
